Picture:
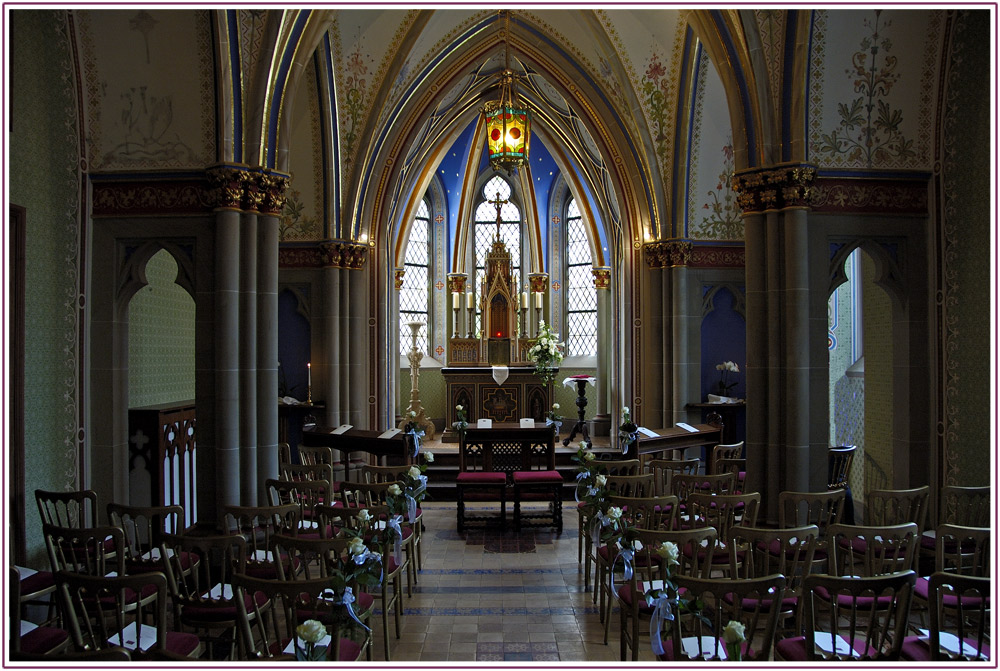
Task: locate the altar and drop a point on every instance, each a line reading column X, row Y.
column 522, row 394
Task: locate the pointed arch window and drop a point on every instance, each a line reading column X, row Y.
column 486, row 230
column 581, row 296
column 413, row 295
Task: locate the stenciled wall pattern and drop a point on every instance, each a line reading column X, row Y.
column 44, row 145
column 150, row 97
column 872, row 88
column 302, row 217
column 160, row 359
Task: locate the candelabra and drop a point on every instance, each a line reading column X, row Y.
column 456, row 321
column 472, row 319
column 415, row 407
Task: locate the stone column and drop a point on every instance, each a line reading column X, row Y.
column 248, row 360
column 759, row 461
column 326, row 349
column 228, row 192
column 602, row 419
column 796, row 335
column 267, row 331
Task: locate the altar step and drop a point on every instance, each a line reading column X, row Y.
column 442, row 473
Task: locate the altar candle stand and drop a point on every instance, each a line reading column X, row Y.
column 524, row 314
column 309, row 382
column 456, row 303
column 538, row 310
column 470, row 305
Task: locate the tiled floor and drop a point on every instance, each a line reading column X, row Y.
column 485, row 597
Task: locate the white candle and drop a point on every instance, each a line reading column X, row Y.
column 456, row 302
column 309, row 374
column 470, row 301
column 538, row 299
column 524, row 300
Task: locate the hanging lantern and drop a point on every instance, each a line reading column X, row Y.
column 508, row 122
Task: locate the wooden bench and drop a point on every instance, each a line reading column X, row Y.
column 508, row 456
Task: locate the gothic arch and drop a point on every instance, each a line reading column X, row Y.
column 739, row 299
column 132, row 276
column 885, row 253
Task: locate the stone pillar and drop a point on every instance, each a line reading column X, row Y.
column 227, row 410
column 759, row 461
column 267, row 331
column 248, row 360
column 796, row 335
column 328, row 354
column 602, row 419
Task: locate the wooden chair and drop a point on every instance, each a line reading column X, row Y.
column 608, row 468
column 839, row 462
column 202, row 594
column 967, row 599
column 646, row 512
column 104, row 612
column 375, row 495
column 316, row 454
column 265, row 630
column 90, row 551
column 683, row 485
column 257, row 525
column 744, row 600
column 738, row 467
column 26, row 637
column 897, row 506
column 723, row 512
column 856, row 630
column 318, row 558
column 284, row 453
column 306, row 495
column 77, row 509
column 820, row 508
column 725, row 451
column 960, row 506
column 650, row 567
column 663, row 471
column 370, row 473
column 960, row 551
column 755, row 552
column 867, row 551
column 144, row 528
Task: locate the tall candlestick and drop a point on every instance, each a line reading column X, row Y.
column 538, row 300
column 309, row 382
column 470, row 301
column 456, row 302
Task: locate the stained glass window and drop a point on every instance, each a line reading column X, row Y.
column 486, row 231
column 581, row 296
column 413, row 293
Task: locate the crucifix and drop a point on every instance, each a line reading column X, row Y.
column 498, row 204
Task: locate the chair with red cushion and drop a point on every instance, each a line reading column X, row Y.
column 650, row 566
column 144, row 527
column 202, row 594
column 320, row 558
column 738, row 467
column 958, row 551
column 101, row 613
column 38, row 588
column 375, row 496
column 663, row 471
column 723, row 512
column 28, row 637
column 90, row 551
column 857, row 629
column 306, row 494
column 966, row 598
column 657, row 513
column 961, row 506
column 75, row 509
column 258, row 525
column 725, row 451
column 371, row 473
column 714, row 604
column 820, row 508
column 584, row 549
column 867, row 551
column 266, row 630
column 755, row 552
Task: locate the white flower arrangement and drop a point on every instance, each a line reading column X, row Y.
column 546, row 353
column 725, row 368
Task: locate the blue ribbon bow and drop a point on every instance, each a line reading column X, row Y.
column 397, row 545
column 661, row 612
column 347, row 599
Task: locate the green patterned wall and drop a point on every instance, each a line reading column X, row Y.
column 877, row 335
column 160, row 360
column 966, row 254
column 840, row 320
column 44, row 156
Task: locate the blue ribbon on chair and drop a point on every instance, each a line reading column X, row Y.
column 600, row 521
column 394, row 524
column 347, row 599
column 416, row 440
column 582, row 475
column 626, row 555
column 661, row 612
column 411, row 508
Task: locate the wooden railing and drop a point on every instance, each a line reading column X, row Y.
column 163, row 457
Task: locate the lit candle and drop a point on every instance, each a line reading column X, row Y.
column 470, row 301
column 538, row 299
column 309, row 373
column 456, row 302
column 524, row 300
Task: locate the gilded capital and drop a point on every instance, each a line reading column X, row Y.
column 602, row 277
column 539, row 282
column 456, row 282
column 399, row 273
column 225, row 189
column 343, row 255
column 668, row 253
column 272, row 188
column 775, row 188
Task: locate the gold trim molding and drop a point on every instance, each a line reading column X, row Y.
column 774, row 189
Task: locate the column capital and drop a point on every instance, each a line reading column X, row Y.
column 226, row 186
column 602, row 277
column 668, row 253
column 456, row 282
column 539, row 282
column 398, row 277
column 777, row 188
column 337, row 254
column 272, row 188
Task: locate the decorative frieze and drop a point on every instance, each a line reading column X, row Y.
column 668, row 253
column 871, row 195
column 775, row 188
column 329, row 254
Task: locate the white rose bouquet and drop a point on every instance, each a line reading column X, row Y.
column 546, row 353
column 725, row 368
column 310, row 633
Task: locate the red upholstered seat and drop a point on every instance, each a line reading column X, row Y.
column 482, row 477
column 794, row 649
column 134, row 566
column 37, row 582
column 949, row 600
column 41, row 640
column 863, row 602
column 537, row 477
column 349, row 650
column 918, row 649
column 181, row 643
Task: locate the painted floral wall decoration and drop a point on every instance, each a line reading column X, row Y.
column 655, row 86
column 869, row 128
column 723, row 220
column 294, row 224
column 354, row 100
